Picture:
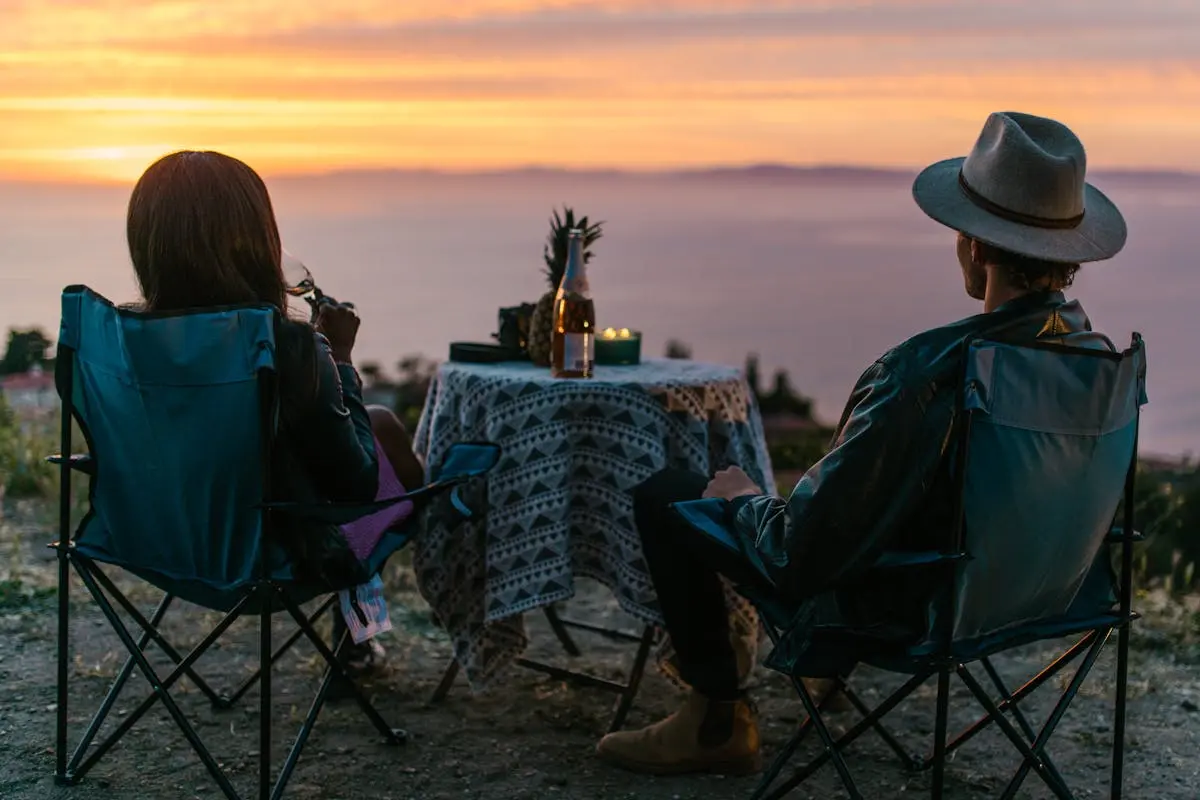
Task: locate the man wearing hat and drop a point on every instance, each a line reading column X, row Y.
column 1026, row 220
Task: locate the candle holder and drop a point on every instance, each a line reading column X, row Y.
column 618, row 347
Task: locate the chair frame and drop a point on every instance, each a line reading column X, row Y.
column 269, row 595
column 1030, row 743
column 626, row 692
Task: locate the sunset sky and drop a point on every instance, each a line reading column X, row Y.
column 96, row 89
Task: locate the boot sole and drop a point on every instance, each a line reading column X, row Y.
column 736, row 767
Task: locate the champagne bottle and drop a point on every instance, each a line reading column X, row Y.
column 573, row 342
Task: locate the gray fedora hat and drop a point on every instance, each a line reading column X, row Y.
column 1022, row 189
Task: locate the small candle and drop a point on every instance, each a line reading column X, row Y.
column 618, row 346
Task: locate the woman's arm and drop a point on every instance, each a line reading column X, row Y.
column 334, row 436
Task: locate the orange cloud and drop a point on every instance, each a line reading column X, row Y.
column 99, row 88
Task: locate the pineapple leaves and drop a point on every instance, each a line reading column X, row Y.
column 554, row 252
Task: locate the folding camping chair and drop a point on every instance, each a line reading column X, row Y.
column 1046, row 449
column 178, row 414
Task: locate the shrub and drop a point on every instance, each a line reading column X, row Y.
column 24, row 444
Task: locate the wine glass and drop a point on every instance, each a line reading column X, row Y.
column 297, row 278
column 298, row 282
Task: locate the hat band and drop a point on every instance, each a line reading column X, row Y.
column 1016, row 216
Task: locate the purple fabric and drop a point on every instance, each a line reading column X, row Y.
column 363, row 534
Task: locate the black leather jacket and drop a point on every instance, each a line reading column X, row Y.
column 885, row 482
column 324, row 451
column 325, row 433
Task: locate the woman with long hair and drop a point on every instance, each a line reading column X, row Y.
column 202, row 234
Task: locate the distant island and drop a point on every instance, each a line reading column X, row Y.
column 766, row 172
column 762, row 173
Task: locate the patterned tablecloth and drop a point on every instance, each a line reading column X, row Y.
column 559, row 504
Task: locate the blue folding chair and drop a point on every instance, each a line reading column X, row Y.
column 178, row 411
column 1046, row 451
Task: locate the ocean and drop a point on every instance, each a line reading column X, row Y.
column 818, row 272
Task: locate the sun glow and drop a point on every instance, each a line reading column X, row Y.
column 98, row 90
column 94, row 164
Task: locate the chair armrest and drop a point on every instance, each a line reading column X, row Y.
column 712, row 518
column 467, row 460
column 80, row 462
column 339, row 513
column 345, row 513
column 771, row 609
column 1117, row 535
column 782, row 614
column 463, row 461
column 922, row 558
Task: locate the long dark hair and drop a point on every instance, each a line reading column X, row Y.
column 202, row 234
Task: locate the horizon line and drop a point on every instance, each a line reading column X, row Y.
column 748, row 169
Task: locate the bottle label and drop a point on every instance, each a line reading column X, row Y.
column 579, row 352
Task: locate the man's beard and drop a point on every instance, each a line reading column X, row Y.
column 975, row 279
column 974, row 275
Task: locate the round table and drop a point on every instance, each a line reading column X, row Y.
column 559, row 504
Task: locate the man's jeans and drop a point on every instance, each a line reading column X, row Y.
column 684, row 565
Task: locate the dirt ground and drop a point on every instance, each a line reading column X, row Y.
column 529, row 737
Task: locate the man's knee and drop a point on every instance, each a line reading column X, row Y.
column 646, row 491
column 665, row 487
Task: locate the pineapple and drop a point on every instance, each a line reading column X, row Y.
column 554, row 253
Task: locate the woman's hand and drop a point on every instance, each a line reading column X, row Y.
column 339, row 324
column 730, row 483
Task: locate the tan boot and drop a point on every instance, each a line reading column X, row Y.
column 820, row 689
column 745, row 649
column 675, row 745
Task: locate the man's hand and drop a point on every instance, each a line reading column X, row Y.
column 730, row 483
column 339, row 324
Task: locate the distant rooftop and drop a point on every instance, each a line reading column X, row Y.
column 33, row 380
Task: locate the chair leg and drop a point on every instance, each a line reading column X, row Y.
column 786, row 753
column 910, row 762
column 64, row 615
column 627, row 692
column 160, row 690
column 264, row 702
column 1034, row 758
column 447, row 682
column 101, row 748
column 1018, row 714
column 560, row 631
column 625, row 701
column 844, row 741
column 114, row 691
column 839, row 763
column 780, row 761
column 788, row 750
column 310, row 721
column 150, row 629
column 939, row 734
column 1118, row 762
column 390, row 735
column 230, row 699
column 1018, row 742
column 1020, row 694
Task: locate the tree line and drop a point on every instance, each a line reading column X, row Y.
column 1167, row 500
column 26, row 349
